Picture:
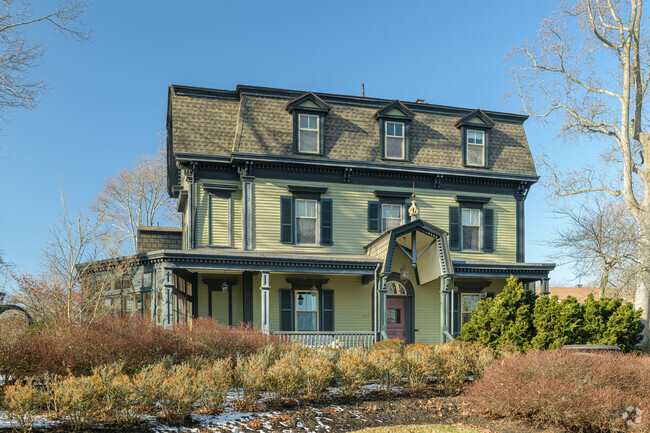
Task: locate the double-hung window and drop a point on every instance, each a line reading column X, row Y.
column 471, row 229
column 306, row 222
column 475, row 148
column 391, row 216
column 308, row 133
column 306, row 304
column 467, row 304
column 394, row 140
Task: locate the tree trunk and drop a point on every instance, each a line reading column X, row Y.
column 603, row 283
column 642, row 295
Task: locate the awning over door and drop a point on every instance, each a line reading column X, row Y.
column 424, row 244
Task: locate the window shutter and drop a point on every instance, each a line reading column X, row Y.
column 454, row 228
column 488, row 230
column 456, row 313
column 286, row 310
column 326, row 221
column 327, row 310
column 286, row 217
column 374, row 216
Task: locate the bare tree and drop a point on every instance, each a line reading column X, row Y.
column 590, row 66
column 19, row 55
column 69, row 285
column 600, row 239
column 136, row 197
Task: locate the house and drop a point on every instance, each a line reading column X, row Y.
column 335, row 219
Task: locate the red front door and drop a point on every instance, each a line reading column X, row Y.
column 396, row 318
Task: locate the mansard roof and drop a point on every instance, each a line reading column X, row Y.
column 255, row 120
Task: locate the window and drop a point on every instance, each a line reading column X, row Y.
column 467, row 304
column 305, row 218
column 308, row 133
column 391, row 216
column 471, row 229
column 306, row 222
column 306, row 311
column 475, row 149
column 394, row 140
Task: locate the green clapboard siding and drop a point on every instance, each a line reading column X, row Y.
column 211, row 207
column 350, row 233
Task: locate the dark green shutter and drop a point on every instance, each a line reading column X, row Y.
column 405, row 217
column 286, row 310
column 327, row 310
column 326, row 221
column 374, row 216
column 488, row 230
column 286, row 217
column 454, row 228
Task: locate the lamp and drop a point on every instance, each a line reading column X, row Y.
column 224, row 287
column 483, row 295
column 404, row 272
column 314, row 290
column 301, row 299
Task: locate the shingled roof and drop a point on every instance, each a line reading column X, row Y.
column 255, row 120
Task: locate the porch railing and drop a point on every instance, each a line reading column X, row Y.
column 341, row 340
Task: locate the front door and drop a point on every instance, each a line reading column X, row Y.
column 396, row 318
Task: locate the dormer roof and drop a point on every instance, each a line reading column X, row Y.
column 308, row 102
column 394, row 110
column 475, row 118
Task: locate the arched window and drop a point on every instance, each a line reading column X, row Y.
column 395, row 288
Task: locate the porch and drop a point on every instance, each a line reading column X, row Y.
column 338, row 340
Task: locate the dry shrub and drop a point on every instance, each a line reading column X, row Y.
column 22, row 402
column 215, row 379
column 77, row 399
column 11, row 333
column 394, row 344
column 172, row 391
column 318, row 370
column 456, row 362
column 353, row 369
column 120, row 393
column 420, row 365
column 388, row 363
column 209, row 339
column 250, row 375
column 285, row 377
column 576, row 391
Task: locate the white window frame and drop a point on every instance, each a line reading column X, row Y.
column 386, row 137
column 467, row 145
column 318, row 144
column 480, row 229
column 316, row 217
column 401, row 215
column 296, row 293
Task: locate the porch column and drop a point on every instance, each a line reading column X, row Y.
column 445, row 316
column 544, row 287
column 381, row 306
column 164, row 292
column 265, row 288
column 247, row 212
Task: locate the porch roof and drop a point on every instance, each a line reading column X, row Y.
column 241, row 260
column 523, row 271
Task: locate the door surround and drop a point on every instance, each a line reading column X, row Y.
column 408, row 294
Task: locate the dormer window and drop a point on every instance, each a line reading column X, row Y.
column 308, row 113
column 394, row 125
column 394, row 140
column 475, row 149
column 474, row 134
column 308, row 126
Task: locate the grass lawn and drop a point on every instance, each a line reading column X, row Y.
column 431, row 428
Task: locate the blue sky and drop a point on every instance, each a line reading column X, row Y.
column 107, row 98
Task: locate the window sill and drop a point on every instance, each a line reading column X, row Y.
column 307, row 246
column 471, row 252
column 475, row 166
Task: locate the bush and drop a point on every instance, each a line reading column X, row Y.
column 387, row 364
column 250, row 374
column 353, row 369
column 22, row 402
column 576, row 391
column 61, row 348
column 515, row 320
column 120, row 393
column 77, row 399
column 215, row 379
column 420, row 363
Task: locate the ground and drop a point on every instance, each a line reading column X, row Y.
column 338, row 414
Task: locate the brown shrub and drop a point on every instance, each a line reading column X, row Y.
column 394, row 344
column 580, row 392
column 353, row 369
column 420, row 365
column 215, row 379
column 22, row 402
